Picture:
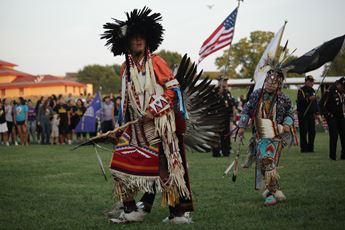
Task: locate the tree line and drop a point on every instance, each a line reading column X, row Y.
column 243, row 58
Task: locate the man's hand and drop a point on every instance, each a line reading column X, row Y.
column 148, row 116
column 312, row 98
column 286, row 128
column 240, row 132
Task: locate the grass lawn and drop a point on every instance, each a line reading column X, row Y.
column 50, row 187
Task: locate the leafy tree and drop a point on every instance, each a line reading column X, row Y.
column 172, row 58
column 108, row 77
column 211, row 74
column 336, row 67
column 245, row 54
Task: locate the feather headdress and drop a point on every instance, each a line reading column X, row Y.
column 139, row 22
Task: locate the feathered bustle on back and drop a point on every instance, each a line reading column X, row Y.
column 205, row 107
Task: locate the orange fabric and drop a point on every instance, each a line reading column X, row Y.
column 163, row 74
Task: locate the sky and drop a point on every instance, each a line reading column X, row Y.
column 59, row 36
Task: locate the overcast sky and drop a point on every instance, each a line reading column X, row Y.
column 59, row 36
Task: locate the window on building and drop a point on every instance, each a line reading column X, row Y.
column 73, row 89
column 65, row 88
column 3, row 92
column 21, row 91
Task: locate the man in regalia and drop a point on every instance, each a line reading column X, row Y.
column 270, row 110
column 149, row 155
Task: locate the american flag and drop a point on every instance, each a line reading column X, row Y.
column 220, row 38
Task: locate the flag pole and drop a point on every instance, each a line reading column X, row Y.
column 280, row 39
column 228, row 56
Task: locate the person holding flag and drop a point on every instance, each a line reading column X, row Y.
column 87, row 124
column 77, row 113
column 260, row 74
column 306, row 119
column 333, row 108
column 270, row 111
column 310, row 61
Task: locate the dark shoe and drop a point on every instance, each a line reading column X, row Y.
column 333, row 158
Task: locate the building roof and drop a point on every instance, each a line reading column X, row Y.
column 12, row 72
column 25, row 80
column 5, row 63
column 39, row 81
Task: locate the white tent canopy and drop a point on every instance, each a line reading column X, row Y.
column 288, row 81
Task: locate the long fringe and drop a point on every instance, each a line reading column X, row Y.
column 134, row 104
column 165, row 127
column 279, row 195
column 150, row 77
column 271, row 175
column 126, row 185
column 170, row 198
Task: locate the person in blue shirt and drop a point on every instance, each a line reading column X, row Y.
column 21, row 118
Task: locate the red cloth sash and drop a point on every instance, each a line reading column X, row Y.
column 134, row 160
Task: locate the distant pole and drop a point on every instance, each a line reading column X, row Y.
column 102, row 110
column 228, row 56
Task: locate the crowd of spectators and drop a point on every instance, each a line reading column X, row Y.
column 53, row 119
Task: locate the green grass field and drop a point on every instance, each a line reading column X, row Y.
column 50, row 187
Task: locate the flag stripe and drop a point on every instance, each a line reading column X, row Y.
column 214, row 50
column 217, row 40
column 214, row 34
column 215, row 47
column 216, row 37
column 220, row 38
column 226, row 40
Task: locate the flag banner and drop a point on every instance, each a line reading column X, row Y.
column 87, row 123
column 316, row 57
column 269, row 54
column 220, row 38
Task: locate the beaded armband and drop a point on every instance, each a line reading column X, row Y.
column 172, row 84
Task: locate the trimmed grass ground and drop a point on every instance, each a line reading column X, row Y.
column 50, row 187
